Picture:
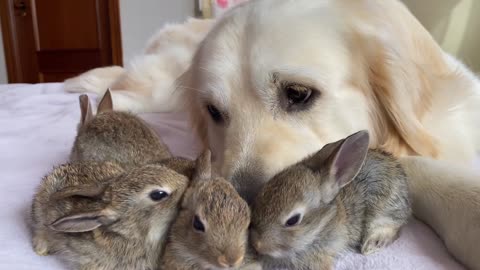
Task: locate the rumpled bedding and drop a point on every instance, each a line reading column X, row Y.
column 37, row 128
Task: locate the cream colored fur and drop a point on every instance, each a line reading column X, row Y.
column 447, row 198
column 148, row 82
column 375, row 67
column 96, row 80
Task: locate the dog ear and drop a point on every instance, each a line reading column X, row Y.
column 401, row 94
column 400, row 59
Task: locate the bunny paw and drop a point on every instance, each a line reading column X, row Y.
column 378, row 239
column 40, row 246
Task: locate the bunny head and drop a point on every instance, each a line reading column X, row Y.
column 138, row 205
column 212, row 227
column 298, row 203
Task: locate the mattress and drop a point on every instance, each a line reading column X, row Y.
column 37, row 128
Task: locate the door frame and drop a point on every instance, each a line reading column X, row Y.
column 12, row 54
column 115, row 31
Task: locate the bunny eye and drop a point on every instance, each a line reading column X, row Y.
column 198, row 225
column 158, row 195
column 294, row 220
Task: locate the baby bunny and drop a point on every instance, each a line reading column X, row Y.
column 115, row 136
column 95, row 218
column 211, row 229
column 46, row 209
column 339, row 198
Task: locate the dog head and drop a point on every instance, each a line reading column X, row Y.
column 275, row 81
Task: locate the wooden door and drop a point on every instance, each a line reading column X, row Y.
column 51, row 40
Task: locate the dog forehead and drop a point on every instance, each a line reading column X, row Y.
column 311, row 49
column 217, row 65
column 246, row 47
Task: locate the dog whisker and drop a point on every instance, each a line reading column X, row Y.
column 210, row 72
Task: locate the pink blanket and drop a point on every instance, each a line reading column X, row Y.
column 37, row 128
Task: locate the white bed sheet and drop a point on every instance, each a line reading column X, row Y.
column 37, row 128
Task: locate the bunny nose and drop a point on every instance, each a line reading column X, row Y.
column 225, row 262
column 262, row 248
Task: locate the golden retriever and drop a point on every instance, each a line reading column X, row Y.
column 275, row 80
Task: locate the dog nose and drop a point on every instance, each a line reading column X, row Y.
column 229, row 262
column 248, row 183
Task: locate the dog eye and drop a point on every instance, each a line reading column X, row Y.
column 295, row 220
column 198, row 225
column 297, row 97
column 158, row 195
column 216, row 115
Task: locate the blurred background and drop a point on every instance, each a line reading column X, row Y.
column 455, row 24
column 50, row 40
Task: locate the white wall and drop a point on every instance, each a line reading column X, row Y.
column 141, row 18
column 454, row 24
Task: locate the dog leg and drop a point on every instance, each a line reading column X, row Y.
column 447, row 197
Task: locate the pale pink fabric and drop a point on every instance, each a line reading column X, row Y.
column 37, row 128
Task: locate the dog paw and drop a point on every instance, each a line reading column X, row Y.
column 379, row 238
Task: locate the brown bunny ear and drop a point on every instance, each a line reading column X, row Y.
column 85, row 109
column 203, row 166
column 349, row 158
column 202, row 172
column 341, row 160
column 84, row 190
column 84, row 222
column 106, row 104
